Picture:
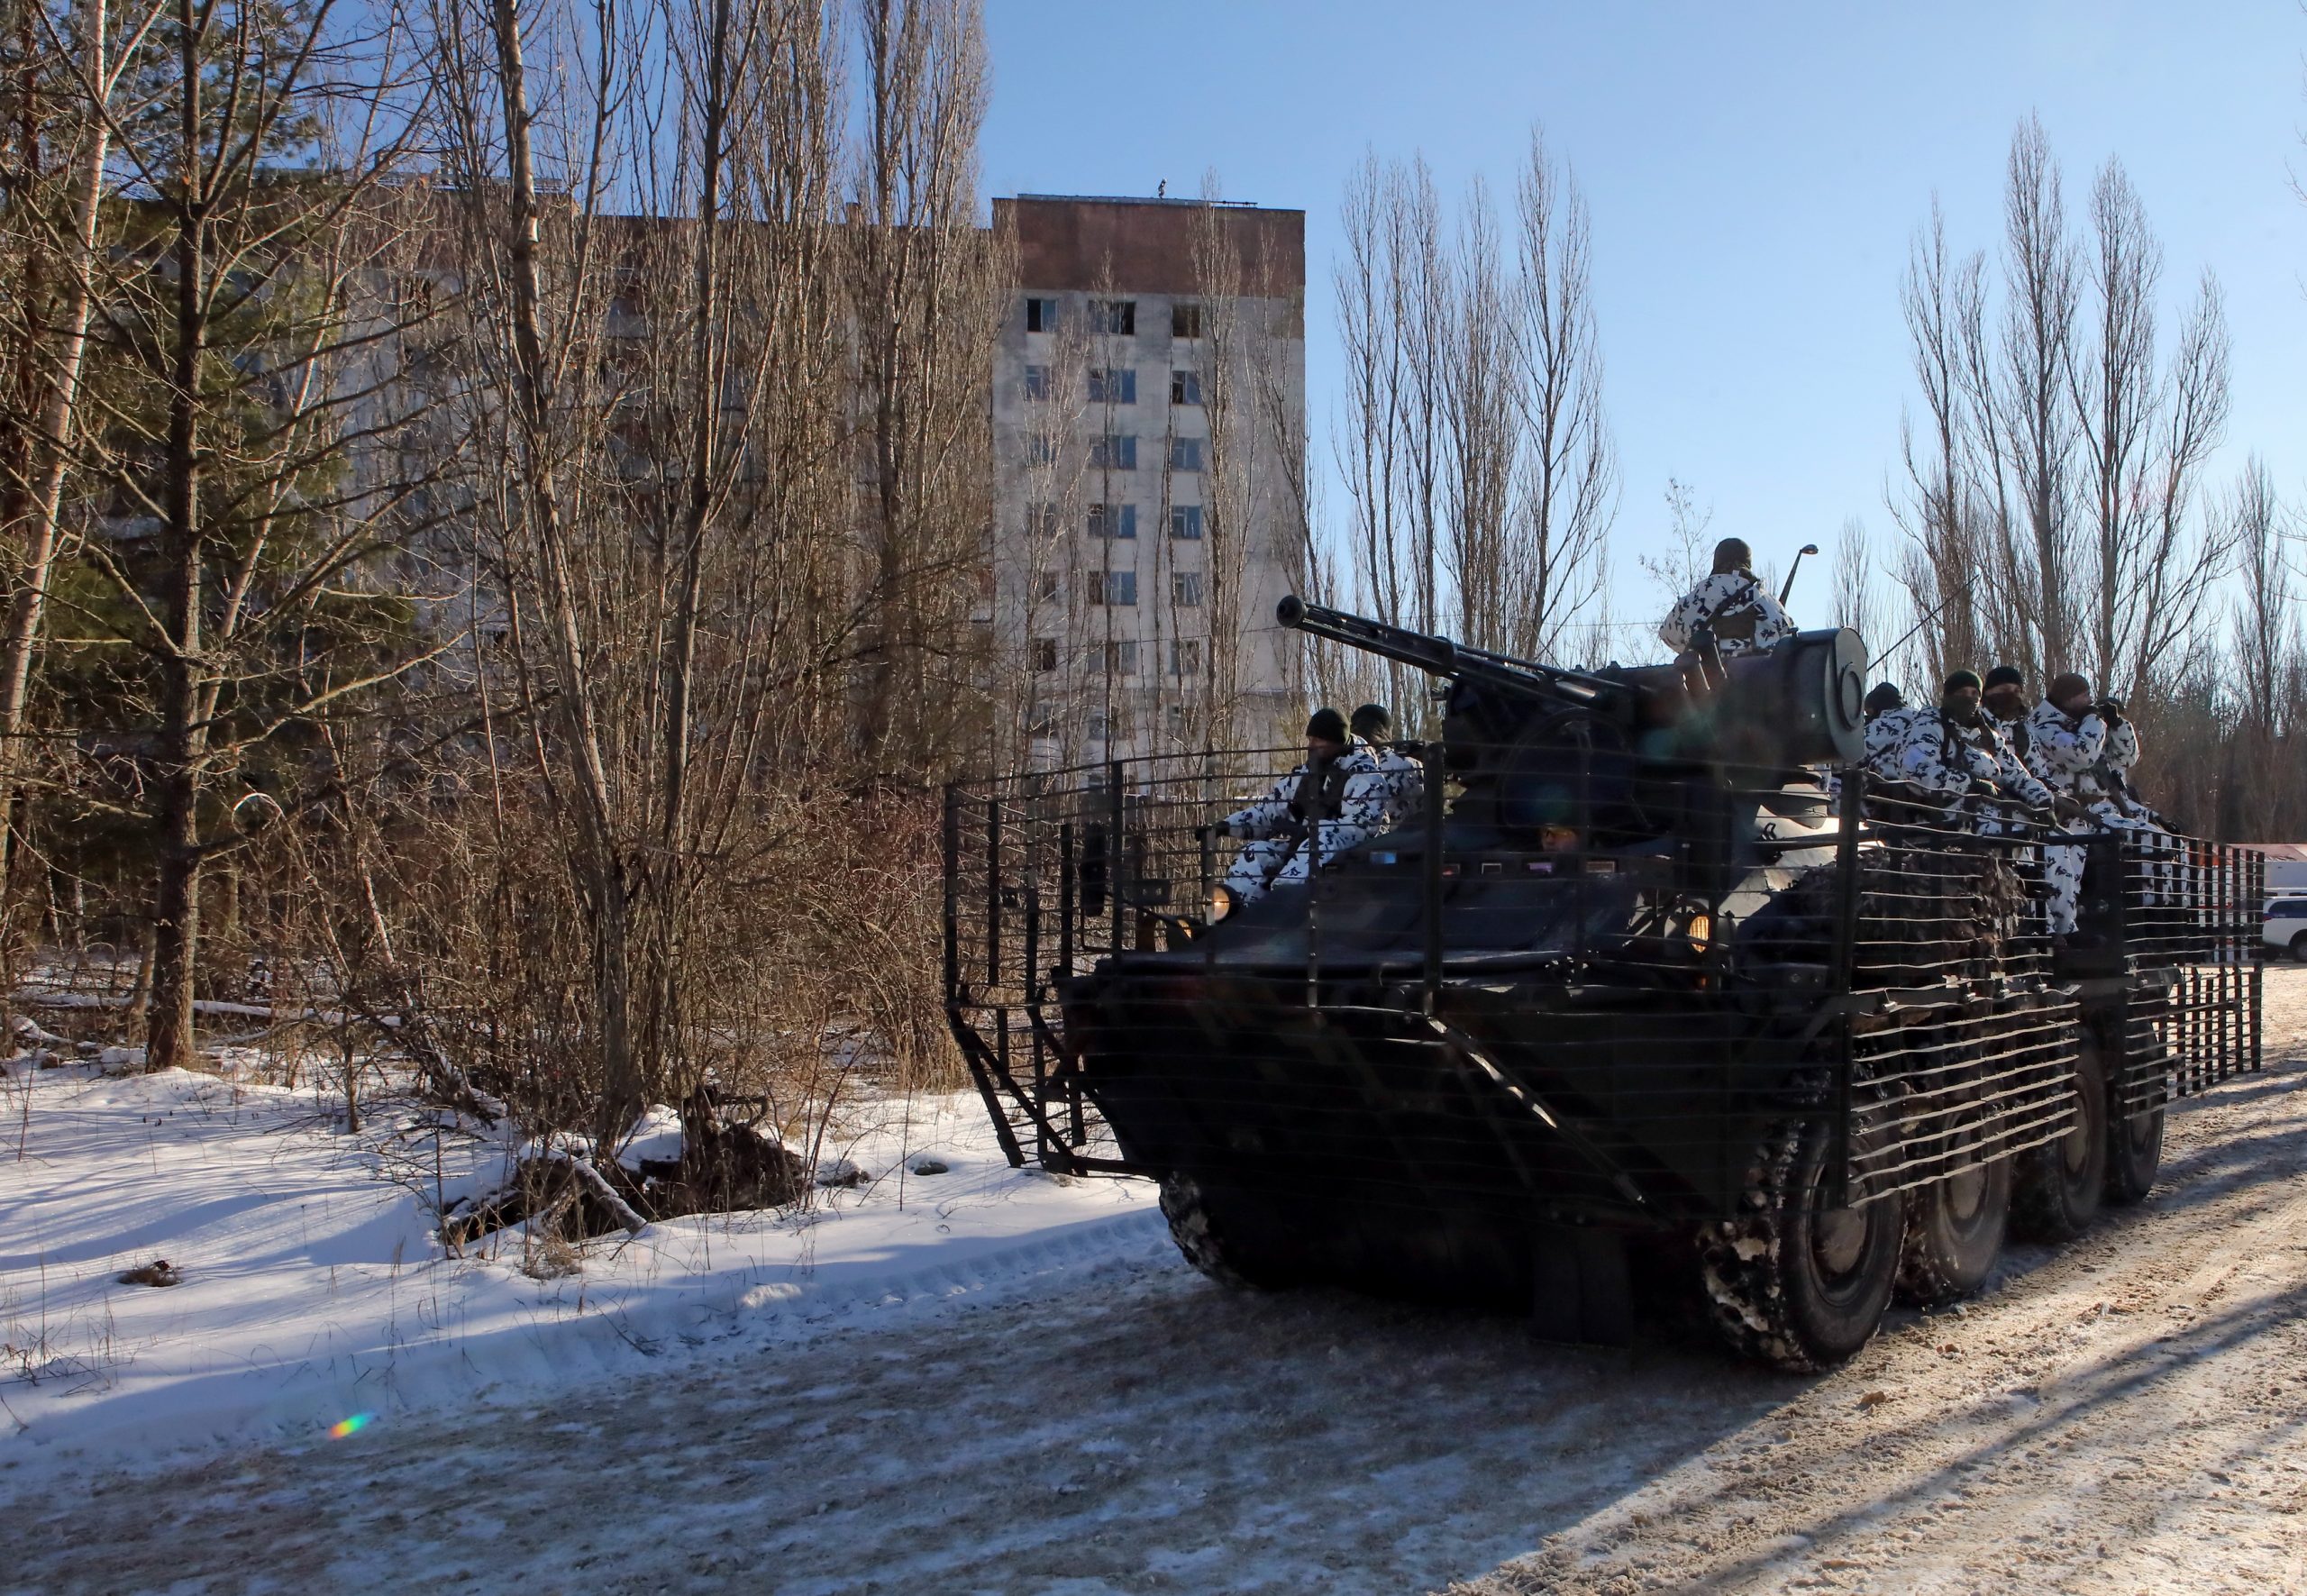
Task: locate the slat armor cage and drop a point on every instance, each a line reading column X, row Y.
column 1436, row 1025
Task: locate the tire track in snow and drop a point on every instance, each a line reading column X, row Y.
column 2123, row 1416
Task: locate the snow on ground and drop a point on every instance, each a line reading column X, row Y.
column 315, row 1290
column 2122, row 1415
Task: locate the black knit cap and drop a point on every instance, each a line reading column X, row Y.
column 1328, row 724
column 1963, row 679
column 1885, row 696
column 2006, row 676
column 1373, row 720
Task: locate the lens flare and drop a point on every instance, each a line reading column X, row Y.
column 350, row 1427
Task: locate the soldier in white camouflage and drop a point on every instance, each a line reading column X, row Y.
column 1378, row 797
column 1888, row 717
column 1951, row 756
column 1309, row 803
column 1965, row 776
column 2003, row 704
column 1732, row 605
column 1396, row 782
column 2085, row 749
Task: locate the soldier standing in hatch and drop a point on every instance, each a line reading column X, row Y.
column 1732, row 605
column 1308, row 804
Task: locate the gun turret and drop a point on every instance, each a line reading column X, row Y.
column 1440, row 656
column 1797, row 704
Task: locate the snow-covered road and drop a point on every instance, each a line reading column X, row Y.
column 2121, row 1417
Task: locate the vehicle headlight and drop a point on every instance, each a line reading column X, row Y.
column 1221, row 902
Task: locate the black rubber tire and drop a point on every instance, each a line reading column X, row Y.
column 2134, row 1152
column 1197, row 1225
column 2062, row 1183
column 1954, row 1229
column 2298, row 947
column 1791, row 1283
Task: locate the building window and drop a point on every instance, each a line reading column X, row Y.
column 1185, row 387
column 1041, row 316
column 1037, row 382
column 1116, row 387
column 1185, row 588
column 1113, row 586
column 1112, row 315
column 1185, row 320
column 1185, row 454
column 1113, row 520
column 1185, row 657
column 1116, row 452
column 1045, row 583
column 1044, row 653
column 1041, row 448
column 1042, row 722
column 1175, row 716
column 1121, row 657
column 1185, row 521
column 1042, row 521
column 1097, row 725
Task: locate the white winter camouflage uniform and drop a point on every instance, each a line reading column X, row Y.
column 1737, row 606
column 1377, row 797
column 1886, row 733
column 1275, row 826
column 1941, row 758
column 1395, row 783
column 1944, row 761
column 2083, row 758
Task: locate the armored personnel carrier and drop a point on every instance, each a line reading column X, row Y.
column 1646, row 989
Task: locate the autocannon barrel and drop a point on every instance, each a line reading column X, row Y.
column 1438, row 655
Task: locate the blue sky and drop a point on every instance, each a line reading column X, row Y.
column 1755, row 172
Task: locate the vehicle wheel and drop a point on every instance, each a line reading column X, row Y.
column 1794, row 1283
column 2060, row 1185
column 1955, row 1226
column 2298, row 947
column 2134, row 1152
column 1197, row 1225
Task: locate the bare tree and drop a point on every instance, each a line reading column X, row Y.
column 927, row 298
column 55, row 247
column 1569, row 466
column 2052, row 493
column 2264, row 645
column 1474, row 433
column 2032, row 407
column 236, row 319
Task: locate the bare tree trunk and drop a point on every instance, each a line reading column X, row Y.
column 602, row 872
column 176, row 898
column 53, row 439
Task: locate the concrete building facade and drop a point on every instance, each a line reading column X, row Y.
column 1149, row 439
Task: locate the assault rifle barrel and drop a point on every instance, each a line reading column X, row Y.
column 1439, row 655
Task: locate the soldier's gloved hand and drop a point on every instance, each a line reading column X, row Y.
column 2109, row 710
column 1982, row 788
column 2066, row 809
